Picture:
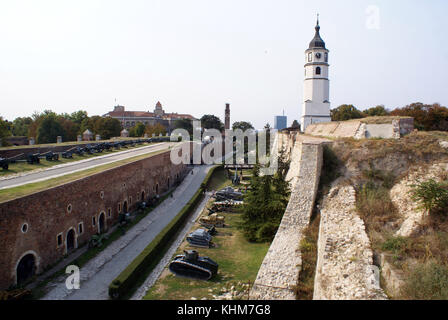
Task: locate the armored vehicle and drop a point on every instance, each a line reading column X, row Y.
column 200, row 238
column 191, row 265
column 212, row 220
column 228, row 194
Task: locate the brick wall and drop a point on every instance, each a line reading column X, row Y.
column 46, row 213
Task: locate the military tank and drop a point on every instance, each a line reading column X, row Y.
column 200, row 238
column 191, row 265
column 212, row 220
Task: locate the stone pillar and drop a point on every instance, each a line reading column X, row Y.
column 79, row 138
column 97, row 137
column 153, row 135
column 145, row 136
column 59, row 139
column 32, row 141
column 160, row 135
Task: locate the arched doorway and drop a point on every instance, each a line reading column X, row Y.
column 157, row 188
column 101, row 223
column 70, row 240
column 143, row 196
column 26, row 268
column 168, row 183
column 125, row 207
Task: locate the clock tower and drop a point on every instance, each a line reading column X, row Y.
column 316, row 88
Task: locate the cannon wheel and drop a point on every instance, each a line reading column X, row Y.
column 5, row 166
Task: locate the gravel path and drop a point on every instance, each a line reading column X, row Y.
column 99, row 272
column 155, row 274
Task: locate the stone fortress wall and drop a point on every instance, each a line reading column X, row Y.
column 39, row 224
column 279, row 271
column 345, row 268
column 371, row 127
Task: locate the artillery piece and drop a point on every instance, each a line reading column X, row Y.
column 191, row 265
column 212, row 220
column 32, row 158
column 4, row 163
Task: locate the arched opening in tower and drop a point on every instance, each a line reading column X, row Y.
column 70, row 240
column 101, row 223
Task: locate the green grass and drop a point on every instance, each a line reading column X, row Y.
column 219, row 180
column 238, row 259
column 21, row 191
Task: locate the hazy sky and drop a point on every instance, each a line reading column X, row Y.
column 196, row 55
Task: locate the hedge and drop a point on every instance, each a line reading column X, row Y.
column 147, row 259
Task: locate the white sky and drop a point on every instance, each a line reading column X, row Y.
column 196, row 55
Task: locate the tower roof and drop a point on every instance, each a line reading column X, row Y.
column 317, row 41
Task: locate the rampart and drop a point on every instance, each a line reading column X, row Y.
column 279, row 272
column 49, row 224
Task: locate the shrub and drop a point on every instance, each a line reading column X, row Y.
column 427, row 282
column 431, row 196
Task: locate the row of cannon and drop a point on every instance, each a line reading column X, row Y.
column 34, row 158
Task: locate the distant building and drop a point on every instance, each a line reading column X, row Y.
column 227, row 117
column 280, row 122
column 129, row 119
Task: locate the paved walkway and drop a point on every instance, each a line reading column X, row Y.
column 71, row 167
column 99, row 272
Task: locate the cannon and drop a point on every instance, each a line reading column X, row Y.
column 191, row 265
column 4, row 163
column 50, row 156
column 67, row 155
column 200, row 238
column 32, row 158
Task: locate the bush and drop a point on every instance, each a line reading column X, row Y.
column 427, row 282
column 432, row 196
column 396, row 245
column 266, row 232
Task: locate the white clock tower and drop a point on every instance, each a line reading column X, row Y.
column 316, row 89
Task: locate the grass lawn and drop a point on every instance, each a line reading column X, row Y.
column 238, row 259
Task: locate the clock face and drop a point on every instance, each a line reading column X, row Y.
column 318, row 55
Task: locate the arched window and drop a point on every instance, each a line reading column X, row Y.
column 318, row 70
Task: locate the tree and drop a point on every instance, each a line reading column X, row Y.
column 185, row 124
column 295, row 125
column 209, row 121
column 21, row 126
column 108, row 128
column 426, row 116
column 138, row 130
column 243, row 125
column 49, row 129
column 156, row 129
column 346, row 112
column 377, row 111
column 266, row 203
column 4, row 131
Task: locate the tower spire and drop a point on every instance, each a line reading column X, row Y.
column 317, row 20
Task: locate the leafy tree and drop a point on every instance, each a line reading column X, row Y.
column 4, row 130
column 21, row 126
column 209, row 121
column 156, row 129
column 426, row 116
column 377, row 111
column 108, row 128
column 138, row 130
column 243, row 125
column 49, row 129
column 346, row 112
column 185, row 124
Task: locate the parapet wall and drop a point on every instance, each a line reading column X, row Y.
column 279, row 272
column 372, row 127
